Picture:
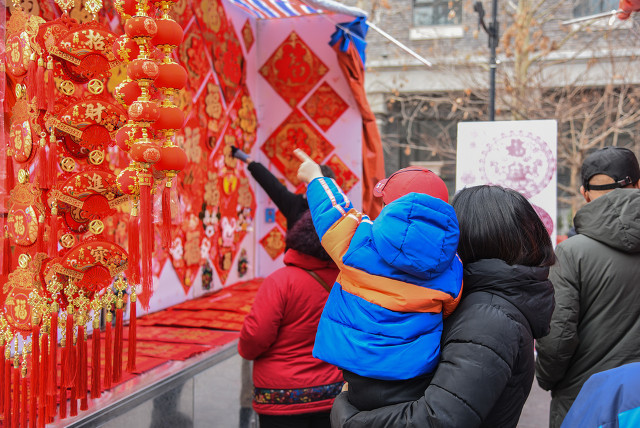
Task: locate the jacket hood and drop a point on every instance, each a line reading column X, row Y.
column 613, row 219
column 304, row 261
column 527, row 288
column 417, row 234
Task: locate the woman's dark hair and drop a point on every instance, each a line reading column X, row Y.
column 499, row 223
column 303, row 238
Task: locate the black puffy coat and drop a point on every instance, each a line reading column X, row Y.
column 487, row 363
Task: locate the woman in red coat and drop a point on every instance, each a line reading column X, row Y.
column 292, row 388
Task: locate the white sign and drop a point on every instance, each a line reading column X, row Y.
column 520, row 155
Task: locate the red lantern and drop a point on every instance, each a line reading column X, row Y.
column 169, row 33
column 144, row 111
column 145, row 151
column 125, row 49
column 127, row 92
column 127, row 135
column 172, row 158
column 126, row 8
column 127, row 181
column 142, row 69
column 171, row 117
column 171, row 75
column 141, row 27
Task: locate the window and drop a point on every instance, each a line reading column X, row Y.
column 436, row 12
column 591, row 7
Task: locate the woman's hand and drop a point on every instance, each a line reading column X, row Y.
column 308, row 170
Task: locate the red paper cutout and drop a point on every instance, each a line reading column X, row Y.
column 325, row 106
column 281, row 220
column 293, row 69
column 345, row 178
column 247, row 35
column 273, row 243
column 295, row 132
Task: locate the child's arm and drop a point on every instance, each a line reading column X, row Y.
column 333, row 214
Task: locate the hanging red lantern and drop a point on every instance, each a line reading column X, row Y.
column 127, row 92
column 169, row 33
column 144, row 111
column 142, row 69
column 127, row 181
column 145, row 151
column 141, row 27
column 126, row 8
column 170, row 118
column 172, row 158
column 125, row 49
column 170, row 76
column 127, row 135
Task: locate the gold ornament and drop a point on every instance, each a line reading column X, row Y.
column 23, row 260
column 67, row 87
column 67, row 240
column 96, row 157
column 23, row 176
column 93, row 7
column 96, row 227
column 95, row 86
column 68, row 164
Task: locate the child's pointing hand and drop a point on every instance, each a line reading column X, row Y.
column 308, row 170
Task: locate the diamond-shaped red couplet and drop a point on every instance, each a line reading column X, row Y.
column 345, row 178
column 325, row 106
column 293, row 69
column 273, row 243
column 193, row 57
column 247, row 35
column 295, row 132
column 281, row 220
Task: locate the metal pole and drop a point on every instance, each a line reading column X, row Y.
column 493, row 44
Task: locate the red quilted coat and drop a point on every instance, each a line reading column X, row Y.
column 279, row 333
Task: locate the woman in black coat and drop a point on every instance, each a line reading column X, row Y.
column 487, row 362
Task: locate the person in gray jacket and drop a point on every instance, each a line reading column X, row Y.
column 596, row 322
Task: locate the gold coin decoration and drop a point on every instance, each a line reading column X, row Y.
column 67, row 87
column 67, row 164
column 23, row 176
column 20, row 90
column 95, row 86
column 67, row 240
column 23, row 260
column 96, row 157
column 96, row 227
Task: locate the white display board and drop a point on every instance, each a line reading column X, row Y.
column 520, row 155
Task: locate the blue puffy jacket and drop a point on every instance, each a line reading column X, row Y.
column 399, row 276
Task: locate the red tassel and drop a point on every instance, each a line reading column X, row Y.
column 63, row 389
column 7, row 390
column 40, row 85
column 51, row 86
column 108, row 369
column 73, row 403
column 2, row 383
column 82, row 369
column 52, row 383
column 131, row 358
column 117, row 347
column 42, row 163
column 35, row 373
column 15, row 411
column 6, row 253
column 134, row 250
column 51, row 169
column 166, row 216
column 69, row 374
column 146, row 227
column 24, row 400
column 31, row 80
column 53, row 232
column 95, row 361
column 42, row 390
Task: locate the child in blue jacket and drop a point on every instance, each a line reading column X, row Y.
column 399, row 276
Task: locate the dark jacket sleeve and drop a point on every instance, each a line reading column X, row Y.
column 479, row 353
column 556, row 350
column 290, row 204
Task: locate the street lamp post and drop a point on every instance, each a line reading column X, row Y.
column 492, row 31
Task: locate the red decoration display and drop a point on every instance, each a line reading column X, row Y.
column 325, row 106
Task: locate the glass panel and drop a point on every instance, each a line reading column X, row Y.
column 591, row 7
column 436, row 12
